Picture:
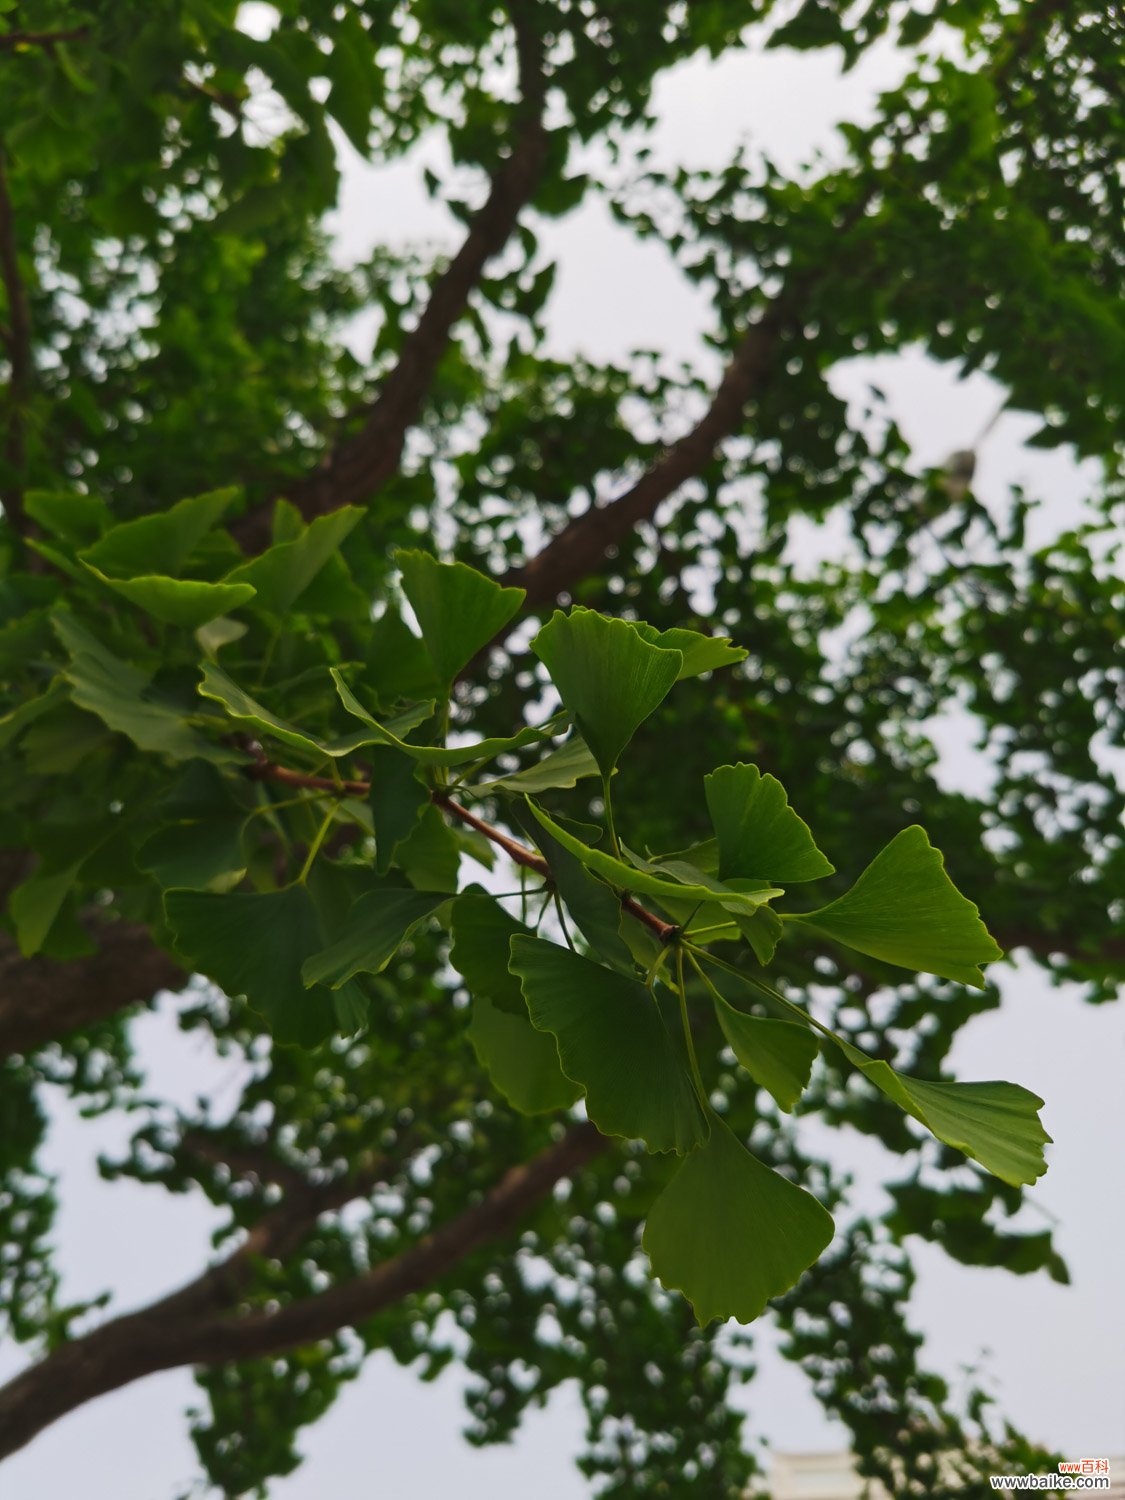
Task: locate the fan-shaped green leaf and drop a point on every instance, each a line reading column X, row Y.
column 996, row 1123
column 254, row 943
column 187, row 602
column 522, row 1062
column 628, row 877
column 730, row 1233
column 777, row 1054
column 159, row 543
column 282, row 573
column 760, row 836
column 563, row 767
column 608, row 677
column 458, row 609
column 482, row 935
column 905, row 910
column 701, row 653
column 613, row 1039
column 120, row 695
column 371, row 934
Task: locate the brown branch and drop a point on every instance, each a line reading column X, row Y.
column 361, row 464
column 12, row 41
column 580, row 547
column 177, row 1330
column 267, row 770
column 43, row 998
column 17, row 342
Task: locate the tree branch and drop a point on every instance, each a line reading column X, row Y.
column 267, row 770
column 580, row 547
column 176, row 1330
column 17, row 343
column 43, row 998
column 361, row 464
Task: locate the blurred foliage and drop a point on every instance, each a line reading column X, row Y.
column 173, row 321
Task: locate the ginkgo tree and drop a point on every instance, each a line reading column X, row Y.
column 451, row 737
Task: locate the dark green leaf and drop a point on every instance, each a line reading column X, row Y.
column 760, row 836
column 373, row 931
column 613, row 1039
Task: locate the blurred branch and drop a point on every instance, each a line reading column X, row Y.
column 361, row 464
column 14, row 41
column 43, row 998
column 177, row 1330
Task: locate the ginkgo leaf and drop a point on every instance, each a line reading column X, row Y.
column 160, row 543
column 482, row 935
column 701, row 653
column 760, row 836
column 186, row 602
column 777, row 1054
column 371, row 934
column 608, row 677
column 645, row 881
column 253, row 943
column 996, row 1123
column 397, row 800
column 216, row 685
column 730, row 1233
column 591, row 905
column 614, row 1040
column 562, row 768
column 120, row 695
column 204, row 854
column 522, row 1062
column 458, row 609
column 905, row 910
column 433, row 755
column 280, row 575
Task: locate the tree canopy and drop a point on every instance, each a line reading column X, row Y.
column 464, row 734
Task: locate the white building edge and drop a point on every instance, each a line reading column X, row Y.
column 832, row 1476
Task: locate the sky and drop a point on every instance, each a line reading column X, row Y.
column 1050, row 1353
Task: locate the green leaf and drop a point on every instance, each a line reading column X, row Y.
column 562, row 768
column 777, row 1054
column 432, row 755
column 614, row 1040
column 75, row 519
column 355, row 78
column 120, row 696
column 458, row 609
column 482, row 935
column 995, row 1123
column 216, row 685
column 282, row 573
column 522, row 1062
column 36, row 903
column 905, row 910
column 430, row 857
column 628, row 877
column 701, row 653
column 205, row 854
column 254, row 944
column 397, row 800
column 373, row 931
column 160, row 543
column 730, row 1233
column 398, row 666
column 608, row 677
column 179, row 601
column 760, row 836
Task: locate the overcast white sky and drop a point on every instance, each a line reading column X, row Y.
column 1051, row 1353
